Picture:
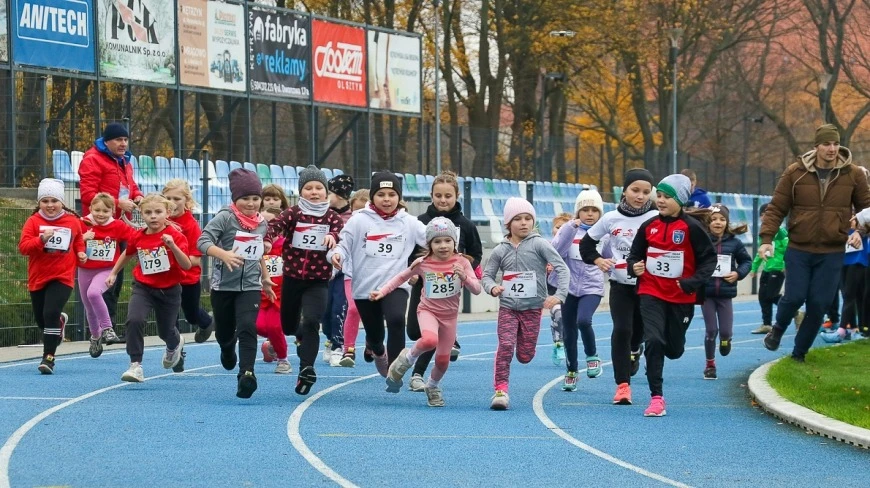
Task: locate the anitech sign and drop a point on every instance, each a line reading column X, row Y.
column 339, row 63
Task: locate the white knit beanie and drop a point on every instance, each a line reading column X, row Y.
column 515, row 206
column 588, row 198
column 50, row 187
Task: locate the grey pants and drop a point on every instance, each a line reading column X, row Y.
column 719, row 320
column 165, row 303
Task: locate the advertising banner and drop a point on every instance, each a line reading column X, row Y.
column 4, row 37
column 211, row 37
column 394, row 72
column 279, row 57
column 339, row 62
column 137, row 40
column 53, row 34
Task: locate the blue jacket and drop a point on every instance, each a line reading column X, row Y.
column 740, row 262
column 857, row 256
column 699, row 199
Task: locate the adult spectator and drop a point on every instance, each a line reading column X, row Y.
column 698, row 198
column 817, row 193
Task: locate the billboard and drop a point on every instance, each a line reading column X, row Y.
column 53, row 34
column 279, row 58
column 137, row 40
column 394, row 72
column 4, row 37
column 339, row 69
column 211, row 37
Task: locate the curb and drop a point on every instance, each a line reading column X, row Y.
column 802, row 417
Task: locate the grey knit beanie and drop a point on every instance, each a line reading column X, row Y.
column 440, row 227
column 676, row 186
column 311, row 173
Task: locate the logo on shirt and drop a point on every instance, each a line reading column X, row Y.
column 678, row 236
column 654, row 231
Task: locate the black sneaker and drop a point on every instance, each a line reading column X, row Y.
column 247, row 384
column 229, row 359
column 47, row 364
column 96, row 347
column 798, row 358
column 865, row 331
column 710, row 373
column 772, row 339
column 307, row 377
column 203, row 334
column 635, row 360
column 179, row 367
column 725, row 347
column 367, row 355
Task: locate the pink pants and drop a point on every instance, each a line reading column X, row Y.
column 269, row 326
column 351, row 319
column 437, row 333
column 516, row 330
column 92, row 284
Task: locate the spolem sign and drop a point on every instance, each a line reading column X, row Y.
column 53, row 34
column 339, row 63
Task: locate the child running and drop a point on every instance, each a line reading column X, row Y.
column 772, row 277
column 234, row 237
column 733, row 263
column 52, row 241
column 378, row 240
column 358, row 201
column 621, row 225
column 102, row 236
column 310, row 229
column 340, row 189
column 556, row 312
column 522, row 257
column 269, row 317
column 673, row 258
column 586, row 288
column 443, row 273
column 852, row 286
column 162, row 254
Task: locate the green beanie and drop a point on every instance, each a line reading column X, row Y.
column 827, row 133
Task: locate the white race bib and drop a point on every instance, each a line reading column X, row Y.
column 619, row 272
column 723, row 265
column 384, row 245
column 101, row 250
column 274, row 265
column 248, row 246
column 853, row 249
column 664, row 264
column 574, row 252
column 523, row 284
column 153, row 261
column 310, row 236
column 60, row 240
column 442, row 285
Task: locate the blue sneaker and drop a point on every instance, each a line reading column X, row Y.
column 558, row 353
column 835, row 337
column 593, row 366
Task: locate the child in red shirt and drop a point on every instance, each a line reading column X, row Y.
column 269, row 317
column 162, row 254
column 52, row 240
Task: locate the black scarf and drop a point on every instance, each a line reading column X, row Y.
column 626, row 209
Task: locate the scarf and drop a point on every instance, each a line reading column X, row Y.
column 382, row 214
column 91, row 221
column 46, row 217
column 341, row 210
column 247, row 223
column 311, row 208
column 585, row 226
column 626, row 209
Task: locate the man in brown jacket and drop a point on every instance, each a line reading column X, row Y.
column 818, row 194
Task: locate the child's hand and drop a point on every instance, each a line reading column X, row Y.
column 110, row 280
column 46, row 234
column 639, row 268
column 549, row 268
column 88, row 235
column 854, row 240
column 168, row 240
column 459, row 271
column 336, row 261
column 730, row 277
column 376, row 295
column 329, row 241
column 496, row 291
column 230, row 259
column 268, row 289
column 267, row 247
column 551, row 302
column 765, row 251
column 413, row 280
column 605, row 264
column 82, row 257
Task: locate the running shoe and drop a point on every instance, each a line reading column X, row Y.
column 134, row 374
column 229, row 359
column 772, row 339
column 203, row 334
column 500, row 400
column 327, row 351
column 348, row 360
column 268, row 352
column 762, row 329
column 593, row 367
column 283, row 367
column 434, row 398
column 64, row 318
column 828, row 325
column 416, row 383
column 623, row 394
column 397, row 371
column 656, row 407
column 635, row 360
column 110, row 337
column 570, row 383
column 368, row 355
column 382, row 364
column 46, row 366
column 171, row 357
column 307, row 377
column 247, row 384
column 558, row 353
column 179, row 368
column 725, row 347
column 454, row 354
column 335, row 358
column 96, row 347
column 710, row 373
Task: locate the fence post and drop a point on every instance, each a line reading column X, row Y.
column 43, row 126
column 755, row 229
column 601, row 167
column 459, row 155
column 466, row 295
column 530, row 192
column 577, row 159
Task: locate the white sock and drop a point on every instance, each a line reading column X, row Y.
column 433, row 383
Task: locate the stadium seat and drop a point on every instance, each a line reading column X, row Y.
column 277, row 175
column 222, row 171
column 327, row 172
column 234, row 165
column 424, row 190
column 194, row 172
column 291, row 181
column 249, row 166
column 336, row 172
column 164, row 171
column 134, row 163
column 178, row 169
column 264, row 173
column 148, row 170
column 63, row 167
column 75, row 158
column 489, row 188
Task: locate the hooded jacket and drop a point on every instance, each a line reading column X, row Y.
column 532, row 254
column 101, row 171
column 469, row 238
column 818, row 214
column 740, row 261
column 221, row 231
column 699, row 199
column 586, row 279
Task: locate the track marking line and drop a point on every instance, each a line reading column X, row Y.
column 36, row 398
column 84, row 355
column 438, row 437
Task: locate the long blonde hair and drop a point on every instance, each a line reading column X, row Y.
column 179, row 184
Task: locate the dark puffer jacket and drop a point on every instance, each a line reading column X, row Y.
column 740, row 262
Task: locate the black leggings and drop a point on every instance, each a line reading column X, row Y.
column 305, row 300
column 627, row 329
column 372, row 314
column 769, row 288
column 47, row 304
column 852, row 286
column 193, row 313
column 235, row 316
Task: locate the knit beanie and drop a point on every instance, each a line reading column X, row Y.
column 441, row 227
column 114, row 131
column 243, row 183
column 516, row 206
column 676, row 186
column 589, row 198
column 636, row 174
column 341, row 185
column 386, row 179
column 50, row 187
column 311, row 173
column 827, row 133
column 718, row 208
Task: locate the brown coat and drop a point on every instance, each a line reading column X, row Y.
column 818, row 215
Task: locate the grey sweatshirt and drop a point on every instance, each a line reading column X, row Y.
column 533, row 254
column 221, row 232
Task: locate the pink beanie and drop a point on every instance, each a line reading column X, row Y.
column 515, row 206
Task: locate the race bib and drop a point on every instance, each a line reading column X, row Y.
column 664, row 264
column 523, row 284
column 619, row 272
column 855, row 249
column 310, row 236
column 248, row 246
column 101, row 250
column 441, row 285
column 274, row 265
column 384, row 245
column 574, row 252
column 723, row 265
column 153, row 261
column 60, row 240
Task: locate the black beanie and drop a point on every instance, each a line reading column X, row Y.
column 114, row 131
column 243, row 183
column 342, row 185
column 637, row 174
column 386, row 179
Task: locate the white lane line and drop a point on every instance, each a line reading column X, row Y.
column 35, row 398
column 84, row 355
column 440, row 437
column 16, row 437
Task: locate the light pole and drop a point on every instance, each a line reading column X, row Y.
column 545, row 92
column 824, row 81
column 437, row 90
column 674, row 35
column 746, row 121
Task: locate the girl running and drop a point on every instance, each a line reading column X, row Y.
column 673, row 257
column 522, row 257
column 585, row 290
column 340, row 189
column 443, row 273
column 52, row 241
column 234, row 237
column 351, row 319
column 102, row 236
column 852, row 286
column 310, row 229
column 162, row 254
column 556, row 312
column 733, row 263
column 378, row 240
column 621, row 225
column 772, row 276
column 269, row 317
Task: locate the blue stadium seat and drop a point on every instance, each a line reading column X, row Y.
column 498, row 207
column 75, row 159
column 134, row 163
column 194, row 172
column 429, row 181
column 222, row 171
column 422, row 188
column 291, row 181
column 277, row 175
column 249, row 166
column 177, row 169
column 63, row 167
column 164, row 171
column 336, row 172
column 327, row 172
column 477, row 213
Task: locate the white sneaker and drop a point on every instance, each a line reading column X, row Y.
column 327, row 352
column 500, row 401
column 171, row 358
column 335, row 358
column 416, row 383
column 397, row 371
column 134, row 374
column 283, row 367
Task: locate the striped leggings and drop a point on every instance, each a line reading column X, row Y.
column 517, row 329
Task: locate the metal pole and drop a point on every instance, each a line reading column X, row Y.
column 539, row 161
column 674, row 115
column 755, row 229
column 745, row 154
column 43, row 125
column 435, row 4
column 466, row 295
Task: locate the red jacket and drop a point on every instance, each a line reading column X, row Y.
column 99, row 172
column 45, row 265
column 109, row 236
column 190, row 229
column 302, row 264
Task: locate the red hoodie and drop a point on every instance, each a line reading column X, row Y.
column 98, row 172
column 102, row 249
column 46, row 264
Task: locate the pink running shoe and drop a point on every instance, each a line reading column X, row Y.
column 268, row 352
column 382, row 364
column 656, row 407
